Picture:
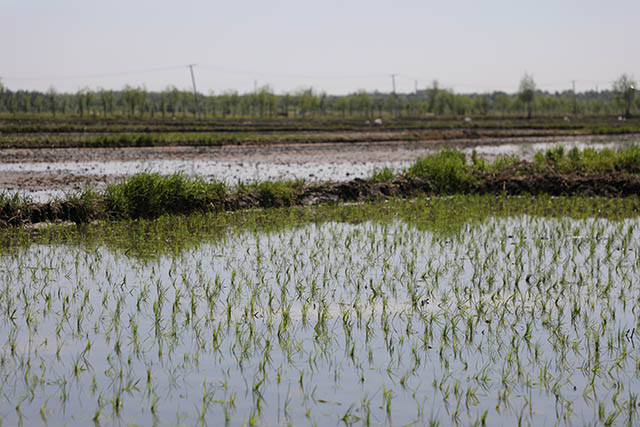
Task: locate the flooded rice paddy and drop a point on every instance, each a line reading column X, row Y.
column 500, row 321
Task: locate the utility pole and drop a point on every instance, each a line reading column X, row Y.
column 393, row 95
column 415, row 83
column 195, row 92
column 575, row 106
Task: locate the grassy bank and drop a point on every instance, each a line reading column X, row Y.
column 613, row 173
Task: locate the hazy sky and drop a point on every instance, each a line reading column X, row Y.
column 337, row 46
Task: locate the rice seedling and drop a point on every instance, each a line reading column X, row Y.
column 482, row 310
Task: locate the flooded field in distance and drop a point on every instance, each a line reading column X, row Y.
column 45, row 174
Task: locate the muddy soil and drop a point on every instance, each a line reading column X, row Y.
column 71, row 177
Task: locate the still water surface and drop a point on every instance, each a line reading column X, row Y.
column 506, row 319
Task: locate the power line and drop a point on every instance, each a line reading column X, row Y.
column 314, row 76
column 330, row 76
column 95, row 76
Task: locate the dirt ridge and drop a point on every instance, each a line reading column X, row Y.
column 615, row 184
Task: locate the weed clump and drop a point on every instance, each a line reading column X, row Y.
column 149, row 195
column 385, row 174
column 273, row 194
column 589, row 160
column 447, row 170
column 84, row 206
column 10, row 207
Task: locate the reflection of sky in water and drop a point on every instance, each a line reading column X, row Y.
column 498, row 276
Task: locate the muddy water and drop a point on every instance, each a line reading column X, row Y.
column 48, row 173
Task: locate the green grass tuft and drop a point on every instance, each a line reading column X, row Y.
column 275, row 194
column 149, row 195
column 447, row 170
column 589, row 160
column 382, row 175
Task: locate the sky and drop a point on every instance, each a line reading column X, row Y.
column 333, row 46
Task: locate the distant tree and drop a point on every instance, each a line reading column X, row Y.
column 151, row 106
column 624, row 89
column 213, row 103
column 322, row 102
column 432, row 95
column 142, row 96
column 482, row 104
column 247, row 104
column 234, row 102
column 341, row 105
column 448, row 99
column 13, row 103
column 38, row 103
column 266, row 101
column 411, row 107
column 2, row 91
column 172, row 97
column 285, row 102
column 129, row 98
column 307, row 101
column 460, row 104
column 107, row 99
column 52, row 97
column 378, row 105
column 423, row 108
column 527, row 92
column 443, row 102
column 162, row 97
column 502, row 102
column 88, row 99
column 64, row 104
column 184, row 97
column 80, row 102
column 363, row 103
column 596, row 106
column 24, row 101
column 391, row 104
column 225, row 104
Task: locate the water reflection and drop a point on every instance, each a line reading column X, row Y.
column 507, row 318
